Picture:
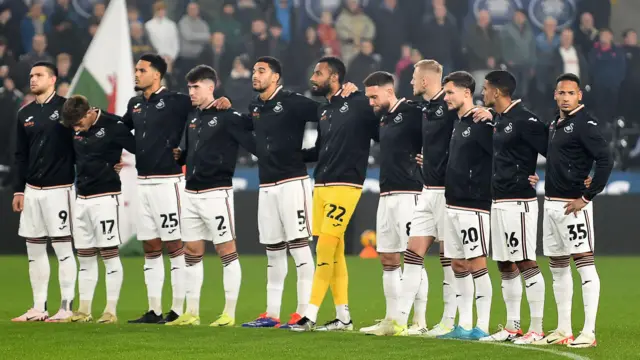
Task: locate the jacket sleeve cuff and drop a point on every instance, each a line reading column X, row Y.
column 585, row 199
column 18, row 193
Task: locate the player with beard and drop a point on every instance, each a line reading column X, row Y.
column 43, row 192
column 347, row 125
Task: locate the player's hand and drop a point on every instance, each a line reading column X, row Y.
column 587, row 182
column 222, row 103
column 533, row 179
column 348, row 89
column 574, row 206
column 176, row 153
column 482, row 114
column 18, row 202
column 419, row 159
column 118, row 167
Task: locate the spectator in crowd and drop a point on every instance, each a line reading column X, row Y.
column 194, row 34
column 307, row 55
column 140, row 43
column 600, row 9
column 38, row 51
column 64, row 65
column 631, row 82
column 277, row 45
column 28, row 99
column 63, row 89
column 64, row 33
column 216, row 55
column 163, row 33
column 405, row 59
column 607, row 64
column 390, row 36
column 7, row 61
column 258, row 43
column 228, row 25
column 430, row 12
column 98, row 12
column 283, row 14
column 170, row 79
column 586, row 34
column 10, row 100
column 364, row 63
column 482, row 44
column 33, row 24
column 405, row 89
column 518, row 49
column 210, row 10
column 238, row 86
column 133, row 15
column 87, row 36
column 10, row 30
column 353, row 26
column 547, row 43
column 443, row 43
column 569, row 59
column 246, row 14
column 327, row 33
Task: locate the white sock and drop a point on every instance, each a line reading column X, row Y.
column 305, row 269
column 39, row 272
column 590, row 291
column 391, row 277
column 420, row 301
column 194, row 276
column 67, row 272
column 464, row 299
column 87, row 280
column 448, row 294
column 277, row 268
column 154, row 279
column 178, row 285
column 411, row 281
column 342, row 313
column 534, row 284
column 312, row 312
column 231, row 279
column 113, row 279
column 512, row 295
column 563, row 292
column 484, row 292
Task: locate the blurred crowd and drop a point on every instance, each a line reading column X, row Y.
column 388, row 35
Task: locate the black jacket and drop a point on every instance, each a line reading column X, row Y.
column 97, row 151
column 158, row 123
column 437, row 126
column 345, row 130
column 400, row 141
column 44, row 147
column 519, row 136
column 210, row 147
column 468, row 178
column 574, row 144
column 279, row 125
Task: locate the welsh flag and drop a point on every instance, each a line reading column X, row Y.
column 106, row 78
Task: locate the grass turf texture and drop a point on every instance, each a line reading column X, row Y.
column 617, row 320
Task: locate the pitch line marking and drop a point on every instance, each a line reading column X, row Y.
column 550, row 351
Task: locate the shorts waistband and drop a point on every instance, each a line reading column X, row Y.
column 284, row 181
column 49, row 187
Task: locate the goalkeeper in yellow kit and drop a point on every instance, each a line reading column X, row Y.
column 345, row 130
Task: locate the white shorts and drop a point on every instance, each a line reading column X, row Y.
column 564, row 235
column 393, row 221
column 428, row 216
column 466, row 233
column 159, row 211
column 208, row 216
column 47, row 212
column 284, row 211
column 514, row 229
column 97, row 222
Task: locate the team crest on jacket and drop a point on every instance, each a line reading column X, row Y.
column 101, row 133
column 398, row 119
column 467, row 132
column 344, row 108
column 440, row 111
column 508, row 128
column 213, row 122
column 278, row 108
column 160, row 104
column 55, row 116
column 568, row 129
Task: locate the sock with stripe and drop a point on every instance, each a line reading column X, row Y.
column 464, row 299
column 420, row 301
column 231, row 278
column 113, row 277
column 512, row 295
column 410, row 285
column 448, row 293
column 484, row 292
column 562, row 291
column 154, row 279
column 194, row 276
column 67, row 271
column 39, row 271
column 590, row 291
column 535, row 287
column 325, row 253
column 340, row 284
column 176, row 259
column 277, row 268
column 391, row 277
column 301, row 253
column 87, row 278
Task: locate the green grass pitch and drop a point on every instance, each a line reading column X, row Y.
column 618, row 325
